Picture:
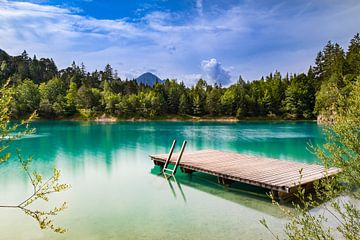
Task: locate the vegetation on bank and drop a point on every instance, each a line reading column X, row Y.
column 75, row 93
column 337, row 200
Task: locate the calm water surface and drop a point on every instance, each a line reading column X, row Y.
column 116, row 193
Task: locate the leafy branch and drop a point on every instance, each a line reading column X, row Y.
column 41, row 190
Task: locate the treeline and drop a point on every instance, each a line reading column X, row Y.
column 74, row 92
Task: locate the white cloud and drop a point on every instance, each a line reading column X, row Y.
column 253, row 38
column 215, row 73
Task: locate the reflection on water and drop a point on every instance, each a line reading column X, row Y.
column 116, row 192
column 244, row 194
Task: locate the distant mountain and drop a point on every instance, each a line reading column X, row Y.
column 148, row 79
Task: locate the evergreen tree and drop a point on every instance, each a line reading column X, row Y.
column 353, row 56
column 184, row 104
column 213, row 105
column 172, row 92
column 228, row 101
column 328, row 62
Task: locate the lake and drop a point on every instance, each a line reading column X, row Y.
column 116, row 192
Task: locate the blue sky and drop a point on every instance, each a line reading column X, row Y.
column 217, row 40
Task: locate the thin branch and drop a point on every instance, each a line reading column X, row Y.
column 8, row 206
column 36, row 191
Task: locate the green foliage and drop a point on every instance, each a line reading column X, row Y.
column 52, row 94
column 8, row 130
column 172, row 91
column 337, row 197
column 329, row 61
column 213, row 104
column 25, row 67
column 184, row 104
column 239, row 113
column 353, row 56
column 41, row 189
column 299, row 101
column 327, row 99
column 197, row 105
column 70, row 98
column 198, row 95
column 342, row 147
column 149, row 105
column 27, row 98
column 334, row 73
column 228, row 101
column 6, row 98
column 88, row 98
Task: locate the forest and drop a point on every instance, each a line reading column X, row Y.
column 76, row 93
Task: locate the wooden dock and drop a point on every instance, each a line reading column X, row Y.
column 279, row 176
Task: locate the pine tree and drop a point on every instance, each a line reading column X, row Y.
column 331, row 61
column 184, row 104
column 353, row 56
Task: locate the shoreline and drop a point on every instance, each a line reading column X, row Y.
column 185, row 118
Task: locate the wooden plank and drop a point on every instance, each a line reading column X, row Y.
column 308, row 179
column 295, row 174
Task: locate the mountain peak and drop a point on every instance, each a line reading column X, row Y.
column 148, row 78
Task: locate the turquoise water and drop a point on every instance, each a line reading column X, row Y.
column 117, row 194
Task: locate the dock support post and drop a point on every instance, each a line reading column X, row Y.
column 275, row 195
column 225, row 181
column 282, row 197
column 185, row 170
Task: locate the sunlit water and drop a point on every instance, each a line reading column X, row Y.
column 117, row 194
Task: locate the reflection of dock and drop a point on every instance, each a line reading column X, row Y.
column 245, row 195
column 280, row 177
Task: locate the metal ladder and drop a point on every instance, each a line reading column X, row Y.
column 171, row 172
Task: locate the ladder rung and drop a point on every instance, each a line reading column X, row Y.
column 173, row 171
column 169, row 170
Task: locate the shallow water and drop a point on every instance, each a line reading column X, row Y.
column 116, row 193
